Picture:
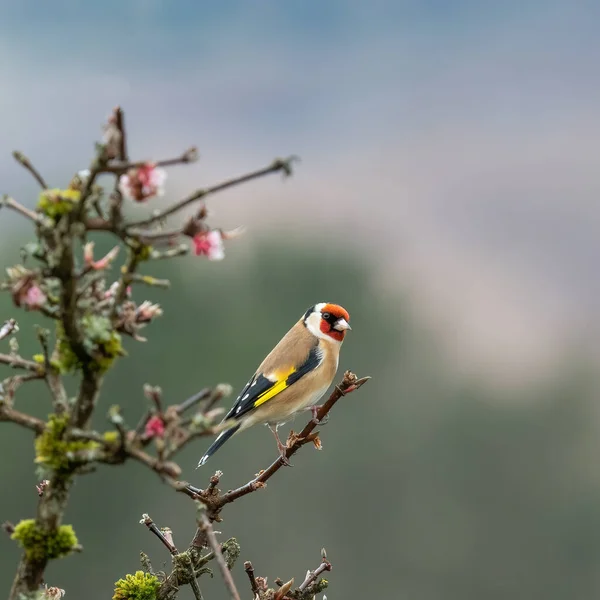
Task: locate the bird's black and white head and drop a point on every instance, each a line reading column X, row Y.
column 327, row 321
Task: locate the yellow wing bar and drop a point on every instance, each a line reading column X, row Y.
column 280, row 385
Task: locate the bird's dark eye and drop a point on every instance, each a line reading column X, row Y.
column 326, row 316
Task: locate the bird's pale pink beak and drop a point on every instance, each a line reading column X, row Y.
column 342, row 325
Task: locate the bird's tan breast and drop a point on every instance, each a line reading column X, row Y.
column 306, row 391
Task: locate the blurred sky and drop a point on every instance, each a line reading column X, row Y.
column 455, row 141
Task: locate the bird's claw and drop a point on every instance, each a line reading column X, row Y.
column 282, row 454
column 315, row 419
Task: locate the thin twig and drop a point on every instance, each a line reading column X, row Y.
column 151, row 525
column 154, row 393
column 101, row 224
column 25, row 162
column 189, row 156
column 164, row 284
column 312, row 575
column 139, row 428
column 167, row 471
column 205, row 526
column 127, row 270
column 16, row 362
column 14, row 416
column 16, row 206
column 180, row 250
column 188, row 436
column 193, row 581
column 221, row 391
column 120, row 123
column 9, row 327
column 275, row 166
column 250, row 572
column 165, row 236
column 193, row 400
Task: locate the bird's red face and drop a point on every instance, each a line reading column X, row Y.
column 334, row 321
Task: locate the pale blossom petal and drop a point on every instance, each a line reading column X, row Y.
column 34, row 297
column 143, row 182
column 209, row 244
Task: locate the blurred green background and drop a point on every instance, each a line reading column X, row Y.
column 447, row 197
column 428, row 485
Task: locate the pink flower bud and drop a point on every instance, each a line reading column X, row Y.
column 143, row 182
column 98, row 265
column 154, row 427
column 147, row 311
column 33, row 297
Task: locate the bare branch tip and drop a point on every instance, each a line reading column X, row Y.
column 285, row 165
column 10, row 327
column 26, row 163
column 163, row 535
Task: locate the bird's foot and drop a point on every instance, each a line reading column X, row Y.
column 282, row 448
column 283, row 455
column 315, row 419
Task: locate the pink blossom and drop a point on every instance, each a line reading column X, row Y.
column 154, row 427
column 209, row 244
column 147, row 311
column 33, row 297
column 53, row 592
column 143, row 182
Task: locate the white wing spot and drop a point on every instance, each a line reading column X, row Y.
column 246, row 397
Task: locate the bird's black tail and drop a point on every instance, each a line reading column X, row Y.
column 221, row 439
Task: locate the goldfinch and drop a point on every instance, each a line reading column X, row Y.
column 292, row 378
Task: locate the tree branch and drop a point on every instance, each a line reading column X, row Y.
column 277, row 165
column 51, row 506
column 312, row 575
column 25, row 162
column 253, row 585
column 189, row 156
column 10, row 414
column 17, row 362
column 120, row 124
column 89, row 390
column 16, row 206
column 151, row 525
column 205, row 526
column 193, row 581
column 349, row 384
column 81, row 305
column 68, row 298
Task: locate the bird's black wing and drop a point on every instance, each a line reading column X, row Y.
column 262, row 388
